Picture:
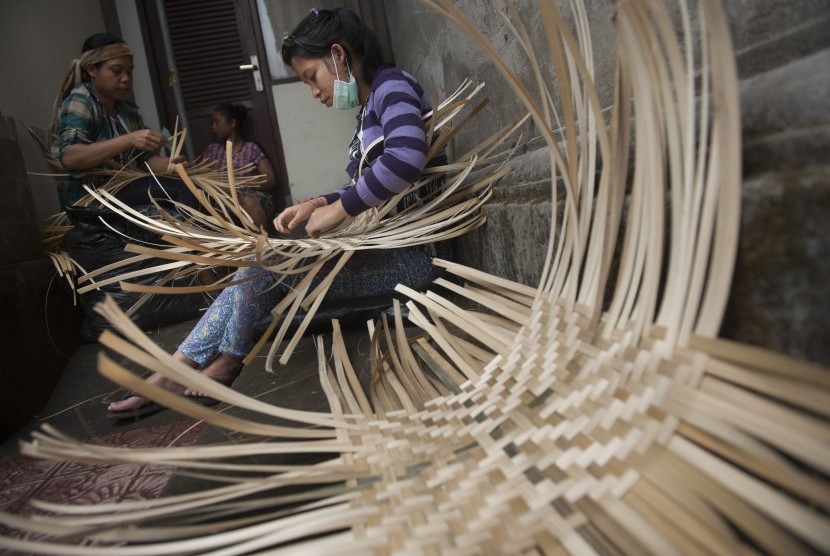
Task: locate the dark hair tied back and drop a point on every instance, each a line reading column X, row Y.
column 100, row 40
column 317, row 32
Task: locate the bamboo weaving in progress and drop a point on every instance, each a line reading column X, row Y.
column 596, row 413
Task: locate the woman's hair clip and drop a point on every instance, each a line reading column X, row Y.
column 315, row 11
column 287, row 39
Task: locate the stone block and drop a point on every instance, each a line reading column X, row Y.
column 39, row 331
column 19, row 227
column 513, row 242
column 770, row 33
column 785, row 115
column 779, row 297
column 795, row 96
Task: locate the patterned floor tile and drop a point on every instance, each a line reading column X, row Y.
column 23, row 478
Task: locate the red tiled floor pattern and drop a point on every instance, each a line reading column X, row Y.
column 23, row 478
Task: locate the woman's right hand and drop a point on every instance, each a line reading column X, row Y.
column 290, row 218
column 147, row 140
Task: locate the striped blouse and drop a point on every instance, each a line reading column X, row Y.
column 394, row 113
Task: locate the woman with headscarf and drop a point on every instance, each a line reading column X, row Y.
column 93, row 124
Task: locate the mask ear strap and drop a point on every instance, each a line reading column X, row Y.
column 346, row 62
column 334, row 61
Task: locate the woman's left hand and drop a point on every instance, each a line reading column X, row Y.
column 290, row 218
column 324, row 218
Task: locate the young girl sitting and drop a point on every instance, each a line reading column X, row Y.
column 227, row 122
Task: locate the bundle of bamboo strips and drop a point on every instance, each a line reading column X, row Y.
column 111, row 179
column 220, row 233
column 545, row 424
column 211, row 238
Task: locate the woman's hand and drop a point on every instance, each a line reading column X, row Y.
column 163, row 164
column 84, row 156
column 288, row 219
column 319, row 219
column 324, row 218
column 147, row 140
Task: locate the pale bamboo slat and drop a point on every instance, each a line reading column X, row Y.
column 562, row 419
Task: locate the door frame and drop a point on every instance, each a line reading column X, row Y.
column 265, row 123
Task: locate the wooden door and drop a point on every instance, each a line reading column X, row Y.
column 201, row 53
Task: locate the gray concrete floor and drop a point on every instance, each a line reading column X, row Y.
column 77, row 405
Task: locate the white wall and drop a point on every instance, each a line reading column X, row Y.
column 315, row 140
column 38, row 39
column 142, row 83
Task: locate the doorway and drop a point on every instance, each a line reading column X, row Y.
column 203, row 53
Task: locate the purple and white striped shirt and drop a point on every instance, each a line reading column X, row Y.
column 394, row 112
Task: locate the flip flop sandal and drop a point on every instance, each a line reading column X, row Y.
column 150, row 407
column 147, row 409
column 204, row 400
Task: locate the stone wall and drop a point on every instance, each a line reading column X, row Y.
column 39, row 324
column 780, row 296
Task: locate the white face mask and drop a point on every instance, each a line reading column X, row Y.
column 345, row 93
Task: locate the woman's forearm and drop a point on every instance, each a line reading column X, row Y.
column 84, row 156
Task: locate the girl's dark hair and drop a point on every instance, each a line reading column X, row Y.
column 99, row 40
column 236, row 112
column 314, row 35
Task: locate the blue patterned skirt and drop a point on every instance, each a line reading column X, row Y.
column 228, row 326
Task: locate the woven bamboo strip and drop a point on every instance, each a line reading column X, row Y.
column 753, row 455
column 148, row 353
column 563, row 419
column 217, row 219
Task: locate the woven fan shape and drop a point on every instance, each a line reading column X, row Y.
column 596, row 413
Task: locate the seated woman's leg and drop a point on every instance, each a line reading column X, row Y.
column 252, row 206
column 231, row 310
column 231, row 340
column 376, row 272
column 228, row 325
column 367, row 274
column 260, row 207
column 225, row 333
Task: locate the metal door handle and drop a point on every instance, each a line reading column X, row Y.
column 253, row 67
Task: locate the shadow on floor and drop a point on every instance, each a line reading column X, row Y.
column 76, row 408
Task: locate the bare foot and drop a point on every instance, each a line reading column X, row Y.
column 223, row 369
column 135, row 402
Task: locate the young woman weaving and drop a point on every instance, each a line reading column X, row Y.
column 339, row 58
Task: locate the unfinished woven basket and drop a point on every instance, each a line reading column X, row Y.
column 596, row 413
